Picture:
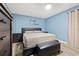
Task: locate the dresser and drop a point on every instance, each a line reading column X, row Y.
column 5, row 30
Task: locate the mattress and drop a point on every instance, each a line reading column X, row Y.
column 31, row 39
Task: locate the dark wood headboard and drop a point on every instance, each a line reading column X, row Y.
column 30, row 29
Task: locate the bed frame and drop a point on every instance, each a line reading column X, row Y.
column 31, row 50
column 30, row 29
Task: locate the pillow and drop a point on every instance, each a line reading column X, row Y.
column 28, row 32
column 37, row 31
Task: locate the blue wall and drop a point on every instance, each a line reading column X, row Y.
column 21, row 21
column 58, row 24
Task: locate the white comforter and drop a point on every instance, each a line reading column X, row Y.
column 31, row 39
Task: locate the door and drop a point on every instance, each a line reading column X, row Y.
column 4, row 35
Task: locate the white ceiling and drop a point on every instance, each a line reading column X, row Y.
column 38, row 9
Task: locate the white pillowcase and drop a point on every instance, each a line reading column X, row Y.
column 30, row 32
column 38, row 32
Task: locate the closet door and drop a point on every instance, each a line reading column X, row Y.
column 73, row 29
column 77, row 29
column 70, row 29
column 4, row 35
column 5, row 31
column 73, row 39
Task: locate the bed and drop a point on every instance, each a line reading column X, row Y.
column 33, row 36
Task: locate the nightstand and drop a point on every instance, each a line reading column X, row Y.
column 17, row 49
column 17, row 37
column 45, row 31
